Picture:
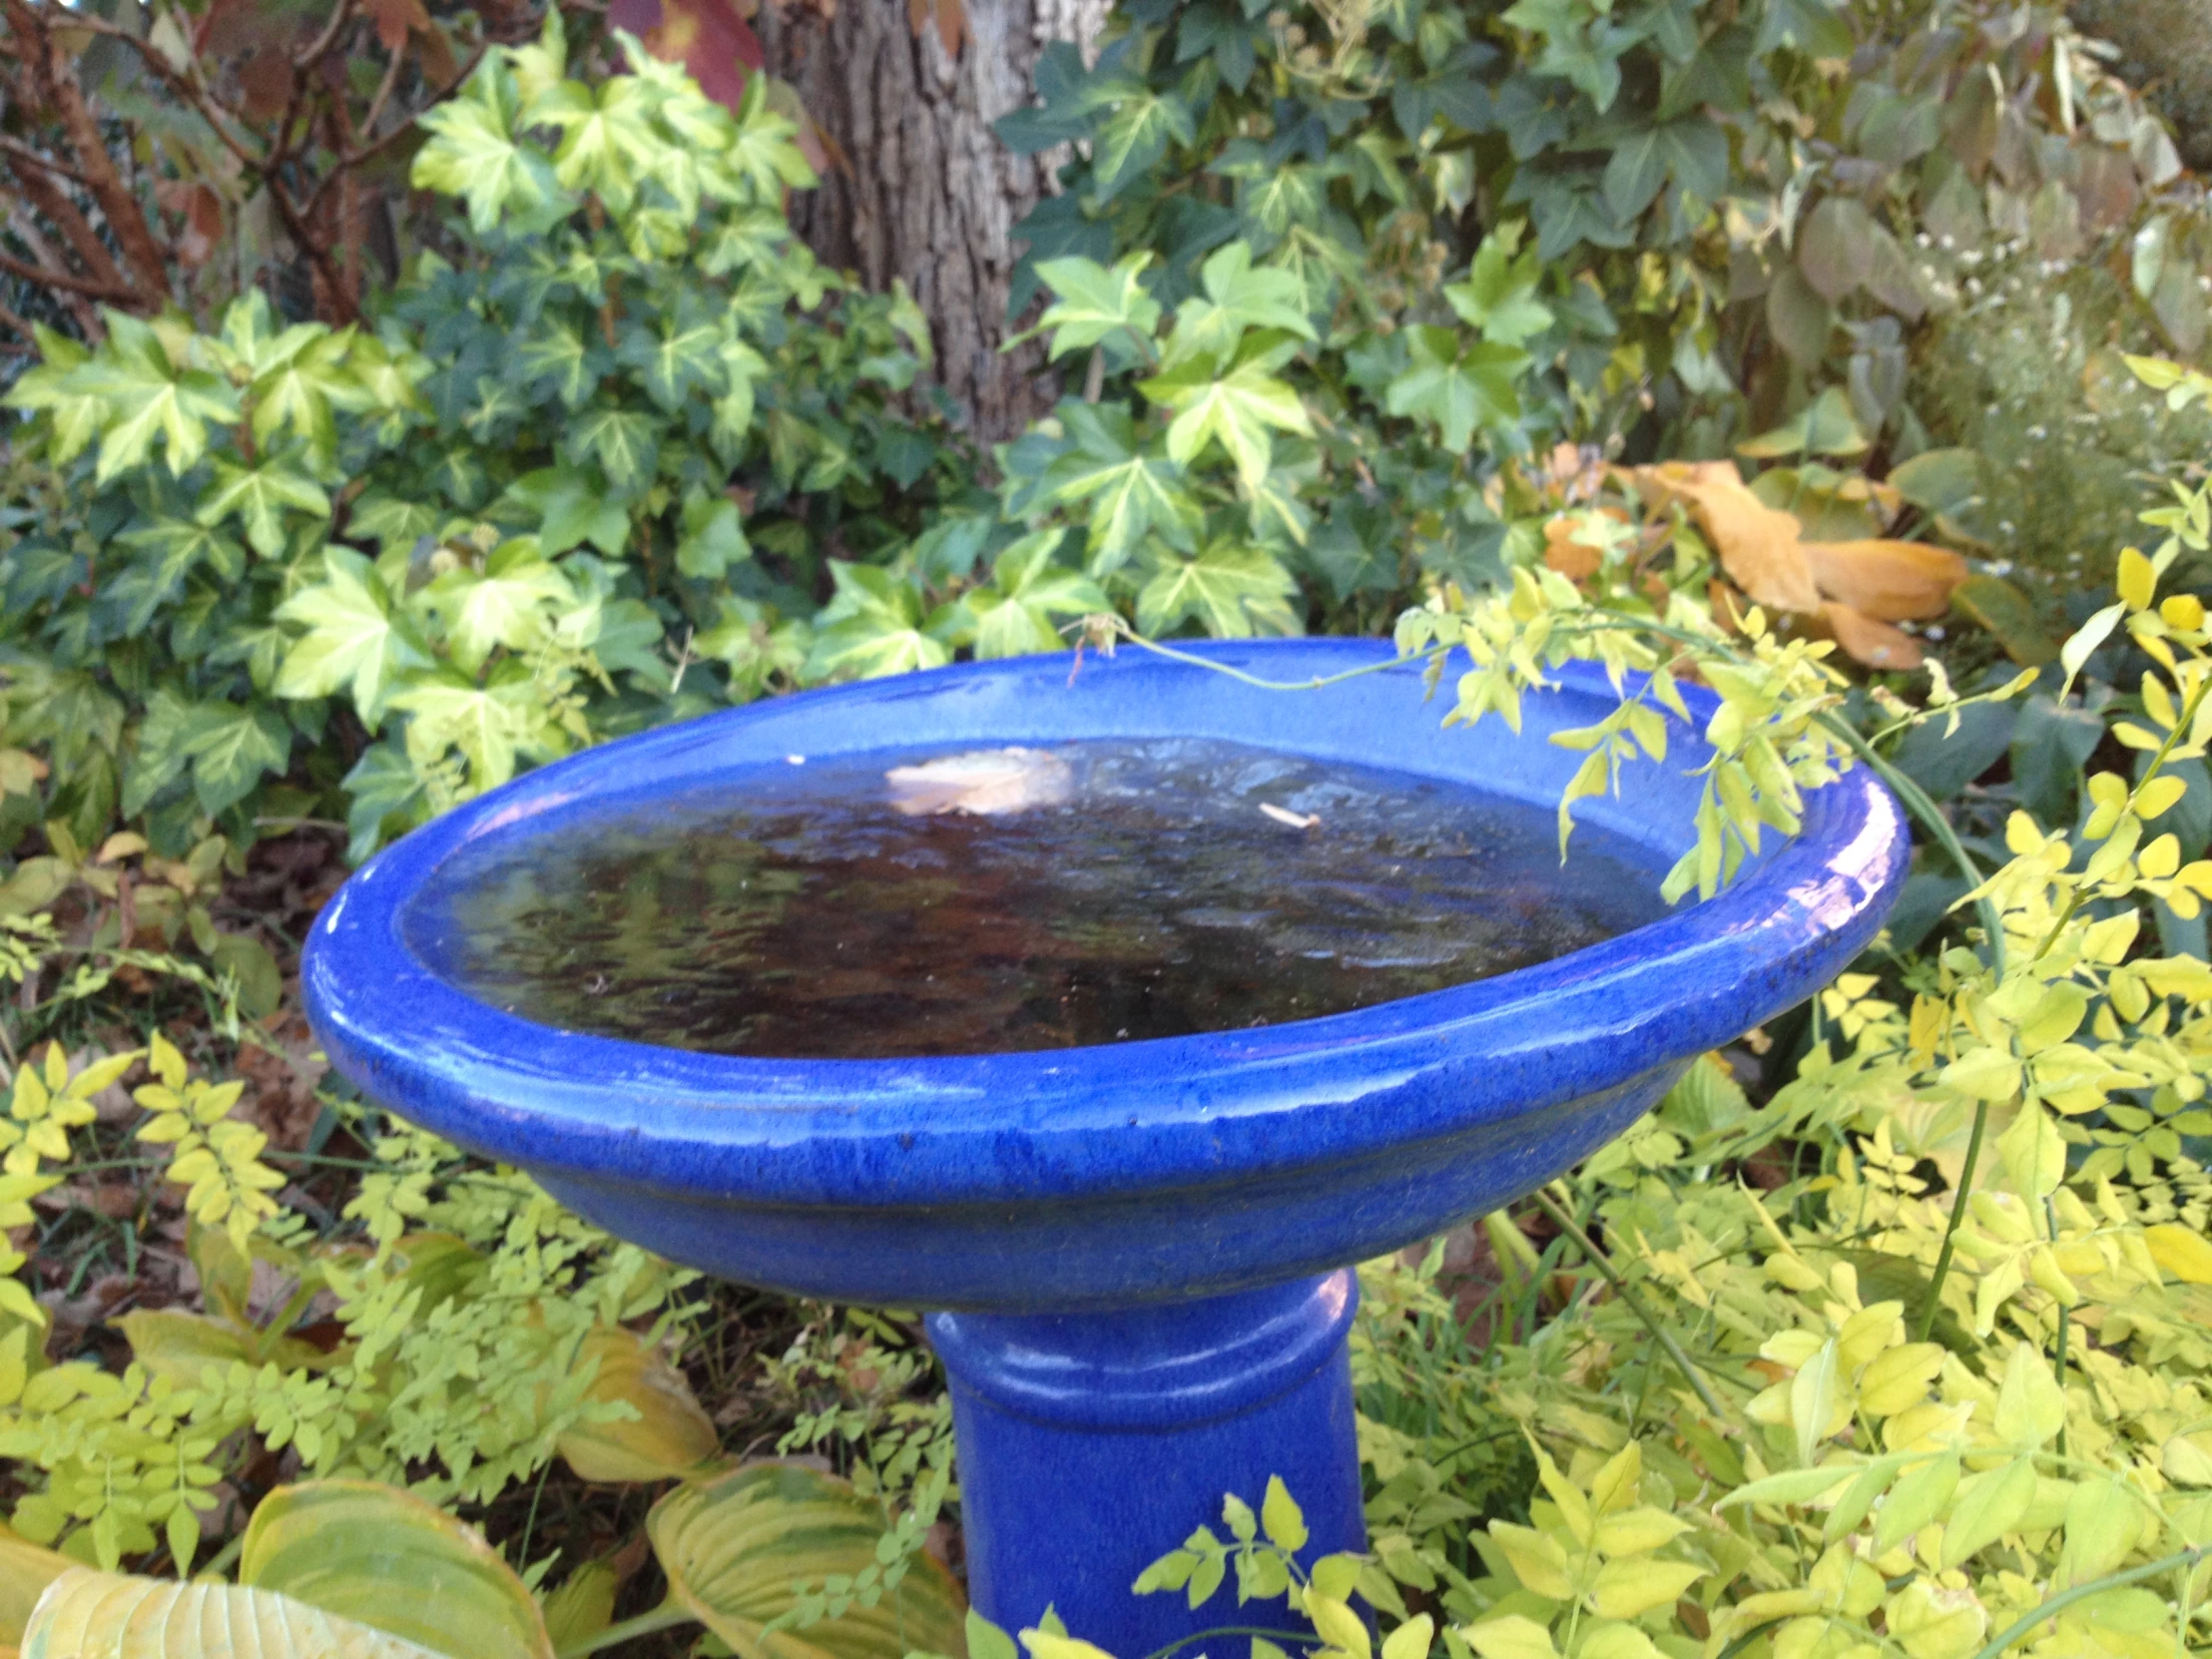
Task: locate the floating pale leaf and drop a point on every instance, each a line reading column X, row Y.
column 111, row 1616
column 386, row 1558
column 738, row 1548
column 987, row 782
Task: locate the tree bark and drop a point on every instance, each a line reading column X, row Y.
column 2167, row 51
column 917, row 185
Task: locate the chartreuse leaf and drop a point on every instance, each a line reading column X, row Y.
column 506, row 604
column 112, row 1616
column 259, row 496
column 738, row 1549
column 1017, row 613
column 1237, row 297
column 151, row 397
column 74, row 416
column 386, row 1558
column 1094, row 302
column 873, row 626
column 670, row 1435
column 1238, row 409
column 355, row 638
column 472, row 151
column 1233, row 589
column 25, row 1572
column 1459, row 386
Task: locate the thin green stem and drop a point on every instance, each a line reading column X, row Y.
column 1304, row 1637
column 1951, row 1227
column 1124, row 632
column 1596, row 1258
column 664, row 1617
column 2081, row 1592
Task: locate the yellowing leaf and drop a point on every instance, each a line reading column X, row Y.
column 25, row 1572
column 1411, row 1640
column 1988, row 1507
column 1876, row 644
column 1759, row 545
column 2180, row 1251
column 1538, row 1560
column 1282, row 1520
column 1637, row 1532
column 2031, row 1408
column 2136, row 580
column 1627, row 1588
column 670, row 1435
column 737, row 1549
column 1338, row 1624
column 1890, row 581
column 107, row 1615
column 384, row 1558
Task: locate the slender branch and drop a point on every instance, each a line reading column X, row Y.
column 384, row 89
column 65, row 280
column 39, row 159
column 1665, row 1338
column 1950, row 1226
column 2081, row 1592
column 11, row 321
column 47, row 198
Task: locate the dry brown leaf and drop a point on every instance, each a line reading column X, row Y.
column 1571, row 557
column 1876, row 644
column 1888, row 580
column 1757, row 545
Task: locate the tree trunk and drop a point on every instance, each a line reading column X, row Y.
column 917, row 185
column 2166, row 50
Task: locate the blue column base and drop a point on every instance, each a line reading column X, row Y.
column 1093, row 1444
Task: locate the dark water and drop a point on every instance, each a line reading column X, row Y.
column 797, row 911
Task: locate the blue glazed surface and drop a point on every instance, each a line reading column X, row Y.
column 1086, row 1178
column 1091, row 1445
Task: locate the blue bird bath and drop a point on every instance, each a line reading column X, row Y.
column 1136, row 1255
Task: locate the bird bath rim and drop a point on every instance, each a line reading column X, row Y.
column 712, row 1124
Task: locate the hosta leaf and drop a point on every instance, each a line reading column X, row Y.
column 382, row 1556
column 356, row 640
column 670, row 1435
column 25, row 1572
column 737, row 1550
column 179, row 1345
column 109, row 1615
column 1233, row 591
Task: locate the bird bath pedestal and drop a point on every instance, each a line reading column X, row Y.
column 1136, row 1255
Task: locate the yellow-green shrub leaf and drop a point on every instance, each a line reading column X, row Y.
column 1791, row 1485
column 1280, row 1517
column 1338, row 1624
column 2031, row 1408
column 2180, row 1251
column 386, row 1558
column 583, row 1606
column 1916, row 1500
column 1411, row 1640
column 112, row 1616
column 1538, row 1560
column 1514, row 1636
column 738, row 1548
column 1626, row 1588
column 1638, row 1531
column 179, row 1345
column 670, row 1435
column 25, row 1572
column 1988, row 1507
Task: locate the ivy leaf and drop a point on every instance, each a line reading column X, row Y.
column 1130, row 494
column 132, row 373
column 1459, row 388
column 503, row 605
column 356, row 640
column 764, row 156
column 298, row 377
column 384, row 793
column 1237, row 297
column 712, row 538
column 556, row 356
column 625, row 442
column 673, row 358
column 1498, row 293
column 259, row 496
column 491, row 725
column 1239, row 409
column 1233, row 589
column 169, row 550
column 1094, row 302
column 873, row 626
column 570, row 509
column 472, row 153
column 231, row 748
column 1134, row 135
column 74, row 416
column 1029, row 589
column 607, row 137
